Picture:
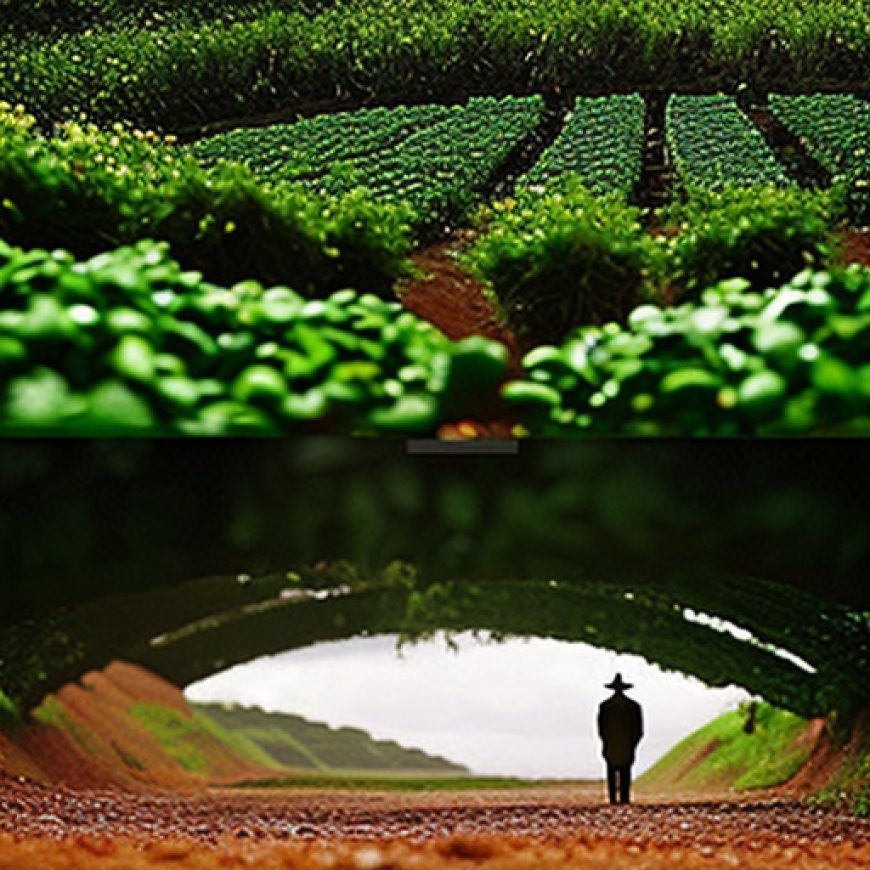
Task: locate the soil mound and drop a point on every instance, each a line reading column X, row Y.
column 123, row 727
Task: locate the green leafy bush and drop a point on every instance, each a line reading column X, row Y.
column 764, row 234
column 129, row 343
column 88, row 190
column 381, row 51
column 563, row 259
column 791, row 359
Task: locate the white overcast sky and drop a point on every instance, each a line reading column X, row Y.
column 521, row 707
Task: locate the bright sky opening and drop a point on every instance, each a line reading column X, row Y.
column 515, row 708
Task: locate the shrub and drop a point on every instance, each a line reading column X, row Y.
column 88, row 190
column 563, row 259
column 764, row 234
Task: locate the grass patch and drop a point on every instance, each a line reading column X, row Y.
column 174, row 733
column 363, row 780
column 721, row 754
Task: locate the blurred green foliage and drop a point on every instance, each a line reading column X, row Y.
column 786, row 360
column 128, row 343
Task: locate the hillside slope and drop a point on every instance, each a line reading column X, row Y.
column 127, row 727
column 795, row 756
column 722, row 755
column 296, row 742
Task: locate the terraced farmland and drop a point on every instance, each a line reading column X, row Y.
column 555, row 165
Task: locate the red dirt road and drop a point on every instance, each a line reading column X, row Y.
column 553, row 827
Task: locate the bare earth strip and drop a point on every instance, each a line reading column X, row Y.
column 546, row 827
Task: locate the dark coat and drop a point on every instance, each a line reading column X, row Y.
column 620, row 726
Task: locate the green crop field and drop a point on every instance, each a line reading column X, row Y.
column 218, row 217
column 714, row 145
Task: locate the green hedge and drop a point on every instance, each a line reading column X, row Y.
column 379, row 51
column 561, row 259
column 87, row 190
column 765, row 234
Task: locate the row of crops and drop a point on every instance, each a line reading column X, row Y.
column 174, row 65
column 601, row 140
column 835, row 130
column 442, row 159
column 438, row 159
column 713, row 144
column 128, row 342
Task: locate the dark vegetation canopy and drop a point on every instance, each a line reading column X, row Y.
column 331, row 539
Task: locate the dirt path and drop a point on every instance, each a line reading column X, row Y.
column 547, row 827
column 451, row 299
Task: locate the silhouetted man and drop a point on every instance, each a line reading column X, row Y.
column 620, row 726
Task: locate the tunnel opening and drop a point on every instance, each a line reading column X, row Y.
column 795, row 650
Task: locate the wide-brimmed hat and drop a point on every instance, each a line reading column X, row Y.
column 618, row 683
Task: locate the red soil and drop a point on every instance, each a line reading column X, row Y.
column 456, row 304
column 826, row 759
column 42, row 827
column 487, row 853
column 857, row 247
column 450, row 299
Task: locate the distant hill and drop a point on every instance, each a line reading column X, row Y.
column 295, row 742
